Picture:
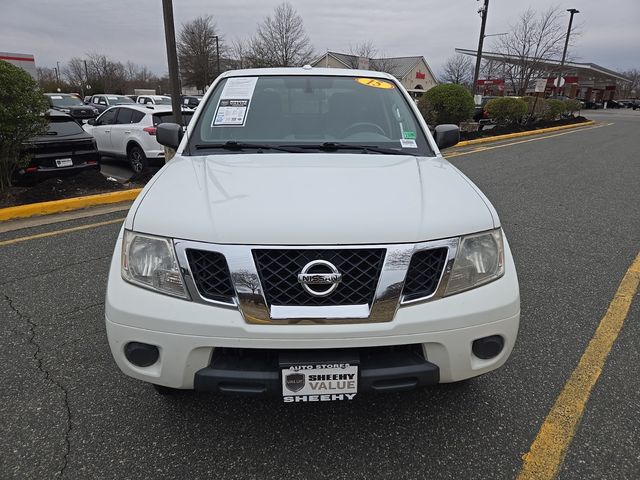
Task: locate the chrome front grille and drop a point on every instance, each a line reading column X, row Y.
column 263, row 283
column 424, row 273
column 279, row 269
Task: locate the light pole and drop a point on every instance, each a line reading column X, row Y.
column 484, row 9
column 172, row 59
column 572, row 11
column 215, row 37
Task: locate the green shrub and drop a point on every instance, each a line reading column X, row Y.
column 21, row 107
column 553, row 109
column 507, row 110
column 572, row 106
column 446, row 103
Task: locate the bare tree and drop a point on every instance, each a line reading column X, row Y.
column 533, row 40
column 281, row 40
column 240, row 53
column 76, row 75
column 377, row 60
column 47, row 79
column 365, row 49
column 105, row 74
column 632, row 89
column 197, row 51
column 458, row 69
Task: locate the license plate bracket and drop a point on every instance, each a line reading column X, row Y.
column 318, row 376
column 64, row 162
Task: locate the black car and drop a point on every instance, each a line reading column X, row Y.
column 72, row 105
column 191, row 101
column 65, row 149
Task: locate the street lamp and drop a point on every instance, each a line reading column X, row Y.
column 483, row 10
column 217, row 55
column 572, row 11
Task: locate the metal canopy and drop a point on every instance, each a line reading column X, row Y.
column 582, row 69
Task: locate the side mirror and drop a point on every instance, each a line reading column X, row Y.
column 91, row 121
column 169, row 135
column 447, row 135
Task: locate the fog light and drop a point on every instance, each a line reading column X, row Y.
column 141, row 354
column 487, row 347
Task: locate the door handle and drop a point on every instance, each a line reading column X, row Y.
column 127, row 131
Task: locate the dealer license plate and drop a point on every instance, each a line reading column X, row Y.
column 319, row 382
column 64, row 162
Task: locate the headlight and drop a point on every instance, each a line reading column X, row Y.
column 480, row 259
column 151, row 262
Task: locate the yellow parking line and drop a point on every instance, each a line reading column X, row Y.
column 59, row 232
column 485, row 148
column 547, row 452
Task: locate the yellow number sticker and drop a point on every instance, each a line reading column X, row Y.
column 372, row 82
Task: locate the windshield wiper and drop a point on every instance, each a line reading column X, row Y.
column 232, row 145
column 332, row 147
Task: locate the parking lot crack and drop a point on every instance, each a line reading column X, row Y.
column 37, row 356
column 61, row 267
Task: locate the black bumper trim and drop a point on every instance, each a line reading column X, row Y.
column 379, row 372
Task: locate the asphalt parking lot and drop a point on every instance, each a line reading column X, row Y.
column 569, row 204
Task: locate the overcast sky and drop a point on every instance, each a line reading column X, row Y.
column 133, row 29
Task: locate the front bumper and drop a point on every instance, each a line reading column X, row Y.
column 187, row 333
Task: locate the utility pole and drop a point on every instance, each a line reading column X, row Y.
column 572, row 11
column 172, row 59
column 483, row 11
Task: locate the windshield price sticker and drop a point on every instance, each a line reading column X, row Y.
column 234, row 102
column 404, row 143
column 319, row 383
column 372, row 82
column 231, row 112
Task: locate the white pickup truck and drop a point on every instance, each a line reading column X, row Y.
column 309, row 241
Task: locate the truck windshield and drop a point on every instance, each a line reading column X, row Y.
column 65, row 101
column 334, row 113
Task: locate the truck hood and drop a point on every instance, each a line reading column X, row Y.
column 306, row 199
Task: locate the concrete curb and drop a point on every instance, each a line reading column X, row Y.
column 67, row 204
column 522, row 134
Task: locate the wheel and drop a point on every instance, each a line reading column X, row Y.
column 162, row 390
column 137, row 159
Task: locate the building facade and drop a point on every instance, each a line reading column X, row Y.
column 413, row 73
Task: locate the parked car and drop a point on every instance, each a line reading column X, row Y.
column 480, row 114
column 129, row 131
column 309, row 241
column 154, row 100
column 104, row 101
column 72, row 105
column 191, row 101
column 87, row 99
column 133, row 97
column 65, row 149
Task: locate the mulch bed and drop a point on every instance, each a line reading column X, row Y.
column 85, row 183
column 520, row 128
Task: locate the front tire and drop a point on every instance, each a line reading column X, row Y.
column 137, row 159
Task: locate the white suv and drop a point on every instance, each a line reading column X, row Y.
column 129, row 131
column 309, row 241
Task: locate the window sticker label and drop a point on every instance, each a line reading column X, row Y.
column 375, row 83
column 56, row 97
column 231, row 112
column 409, row 135
column 408, row 143
column 235, row 101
